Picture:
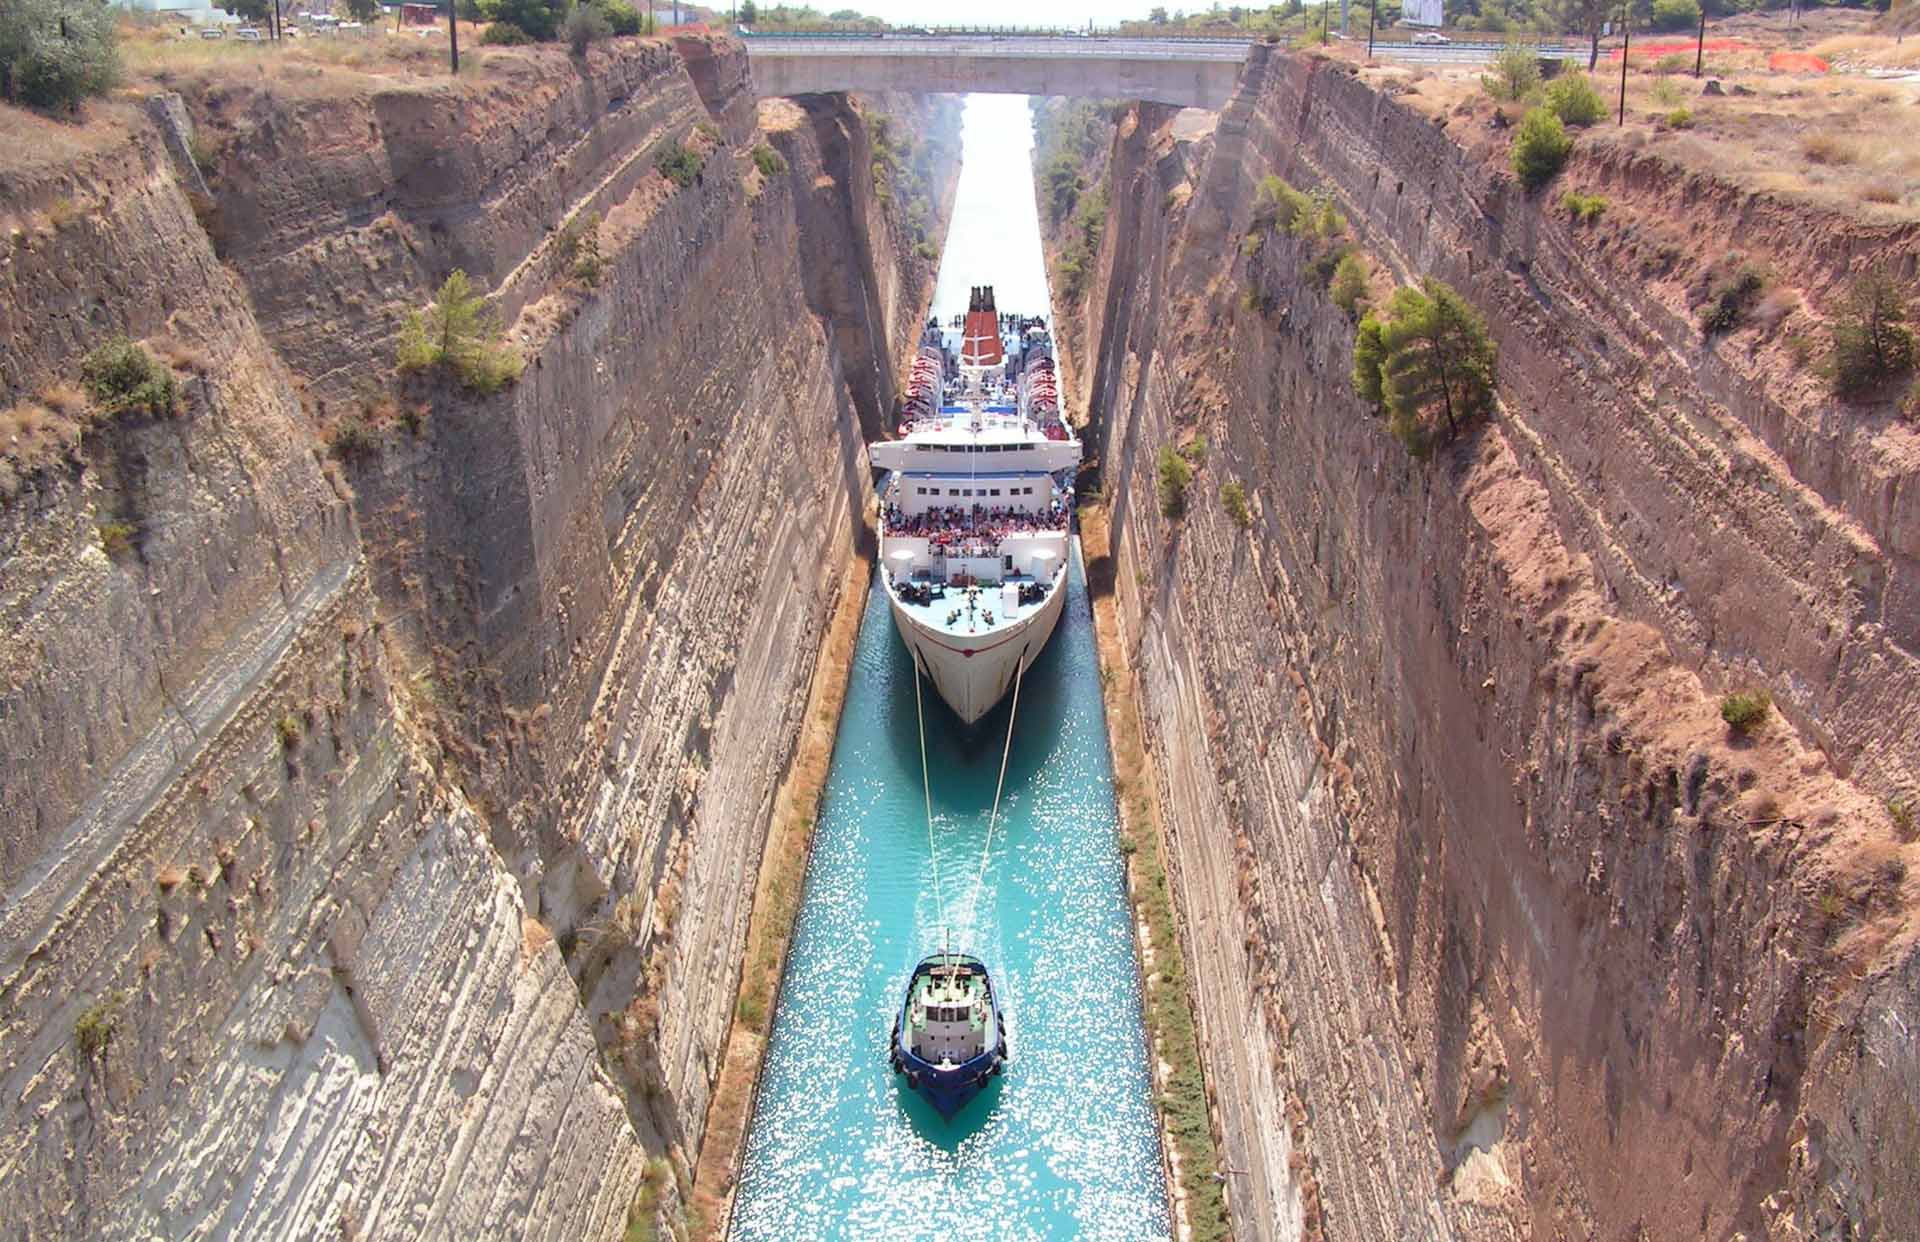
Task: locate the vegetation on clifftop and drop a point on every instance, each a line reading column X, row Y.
column 55, row 53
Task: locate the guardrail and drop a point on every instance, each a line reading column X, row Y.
column 1393, row 38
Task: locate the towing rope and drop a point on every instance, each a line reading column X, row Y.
column 986, row 852
column 926, row 789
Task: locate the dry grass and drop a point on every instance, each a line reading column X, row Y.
column 35, row 435
column 1826, row 148
column 1868, row 51
column 776, row 902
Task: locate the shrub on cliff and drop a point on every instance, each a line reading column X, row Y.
column 1369, row 363
column 123, row 378
column 769, row 161
column 1573, row 98
column 458, row 335
column 1744, row 710
column 1428, row 364
column 1280, row 207
column 1516, row 72
column 1174, row 476
column 1731, row 296
column 55, row 53
column 586, row 25
column 679, row 165
column 1233, row 498
column 1871, row 345
column 1540, row 148
column 1350, row 280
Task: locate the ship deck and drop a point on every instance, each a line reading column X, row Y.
column 939, row 615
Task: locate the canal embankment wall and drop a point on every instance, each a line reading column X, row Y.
column 385, row 768
column 1495, row 928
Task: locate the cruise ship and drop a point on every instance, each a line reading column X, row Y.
column 977, row 504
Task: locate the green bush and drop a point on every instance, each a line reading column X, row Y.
column 116, row 538
column 1233, row 498
column 1679, row 118
column 1540, row 148
column 580, row 250
column 586, row 25
column 679, row 165
column 769, row 161
column 1195, row 451
column 56, row 53
column 1175, row 475
column 1731, row 299
column 1667, row 94
column 1585, row 208
column 1319, row 270
column 540, row 20
column 1676, row 14
column 1250, row 244
column 1743, row 710
column 1369, row 362
column 622, row 18
column 458, row 334
column 93, row 1030
column 926, row 250
column 1871, row 345
column 123, row 378
column 1280, row 207
column 1573, row 98
column 1516, row 73
column 1350, row 280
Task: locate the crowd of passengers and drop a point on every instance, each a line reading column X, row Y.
column 977, row 525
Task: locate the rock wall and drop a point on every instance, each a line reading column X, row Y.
column 381, row 813
column 1532, row 945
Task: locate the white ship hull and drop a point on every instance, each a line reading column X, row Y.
column 973, row 672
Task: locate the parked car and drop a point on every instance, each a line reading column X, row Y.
column 213, row 32
column 1431, row 36
column 247, row 34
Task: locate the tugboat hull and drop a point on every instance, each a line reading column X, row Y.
column 945, row 1084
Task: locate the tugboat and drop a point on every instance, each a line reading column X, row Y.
column 948, row 1038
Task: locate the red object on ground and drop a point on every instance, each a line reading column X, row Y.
column 1672, row 47
column 1796, row 62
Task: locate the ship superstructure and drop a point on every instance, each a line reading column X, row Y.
column 977, row 504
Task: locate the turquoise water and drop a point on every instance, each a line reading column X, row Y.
column 1063, row 1145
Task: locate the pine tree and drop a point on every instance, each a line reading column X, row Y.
column 1439, row 364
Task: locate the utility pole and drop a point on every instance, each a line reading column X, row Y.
column 1372, row 7
column 453, row 33
column 1323, row 20
column 1626, row 42
column 1700, row 52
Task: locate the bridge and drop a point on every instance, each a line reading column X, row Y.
column 1189, row 73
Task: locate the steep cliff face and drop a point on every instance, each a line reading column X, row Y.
column 1538, row 947
column 385, row 769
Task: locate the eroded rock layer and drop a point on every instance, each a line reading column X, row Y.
column 384, row 770
column 1497, row 930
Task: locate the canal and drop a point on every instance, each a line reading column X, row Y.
column 1064, row 1145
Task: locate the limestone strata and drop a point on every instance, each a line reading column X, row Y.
column 1534, row 948
column 396, row 815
